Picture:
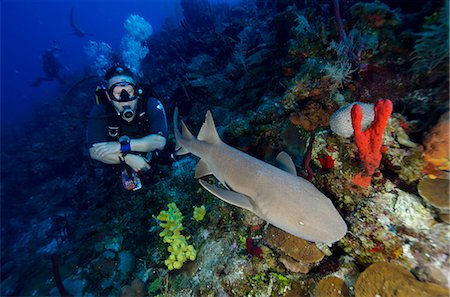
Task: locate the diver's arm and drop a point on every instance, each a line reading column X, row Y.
column 107, row 158
column 148, row 143
column 136, row 162
column 102, row 150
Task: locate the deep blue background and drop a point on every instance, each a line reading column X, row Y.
column 29, row 27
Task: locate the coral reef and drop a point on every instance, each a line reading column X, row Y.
column 272, row 73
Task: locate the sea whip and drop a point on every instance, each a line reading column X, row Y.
column 310, row 174
column 59, row 284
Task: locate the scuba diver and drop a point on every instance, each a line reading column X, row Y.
column 50, row 66
column 128, row 127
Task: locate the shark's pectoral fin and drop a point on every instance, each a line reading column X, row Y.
column 202, row 169
column 284, row 162
column 228, row 196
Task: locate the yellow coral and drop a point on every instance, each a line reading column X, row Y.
column 179, row 249
column 199, row 213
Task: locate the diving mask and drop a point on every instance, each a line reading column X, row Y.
column 124, row 92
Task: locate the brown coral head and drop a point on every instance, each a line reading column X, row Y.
column 436, row 192
column 295, row 247
column 332, row 287
column 388, row 279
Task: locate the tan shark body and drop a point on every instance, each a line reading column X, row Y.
column 276, row 195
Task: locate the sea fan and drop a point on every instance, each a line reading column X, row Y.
column 431, row 49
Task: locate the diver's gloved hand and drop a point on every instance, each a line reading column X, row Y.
column 102, row 149
column 137, row 163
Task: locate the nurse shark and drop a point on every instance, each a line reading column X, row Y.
column 275, row 194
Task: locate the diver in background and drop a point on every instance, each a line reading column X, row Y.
column 50, row 66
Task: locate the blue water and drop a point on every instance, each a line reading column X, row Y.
column 30, row 27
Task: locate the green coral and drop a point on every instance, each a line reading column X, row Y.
column 180, row 250
column 412, row 167
column 155, row 286
column 268, row 284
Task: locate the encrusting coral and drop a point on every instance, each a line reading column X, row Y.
column 388, row 279
column 299, row 254
column 332, row 287
column 179, row 249
column 435, row 191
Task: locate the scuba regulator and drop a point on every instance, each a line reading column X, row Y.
column 127, row 112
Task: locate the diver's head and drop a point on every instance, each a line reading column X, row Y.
column 122, row 91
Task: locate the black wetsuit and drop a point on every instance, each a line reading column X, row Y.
column 149, row 120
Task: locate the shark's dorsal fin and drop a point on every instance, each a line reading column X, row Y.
column 231, row 197
column 208, row 130
column 202, row 169
column 284, row 162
